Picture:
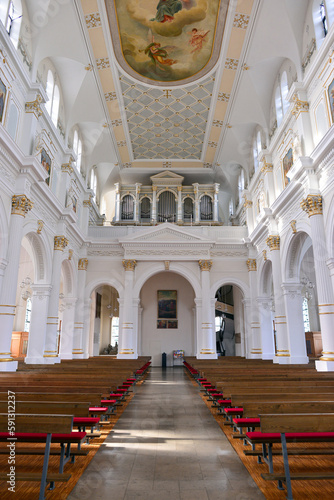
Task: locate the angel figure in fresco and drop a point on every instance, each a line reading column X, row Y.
column 197, row 38
column 159, row 55
column 166, row 10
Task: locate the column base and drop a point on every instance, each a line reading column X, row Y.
column 255, row 355
column 299, row 360
column 66, row 355
column 282, row 360
column 268, row 355
column 41, row 360
column 8, row 366
column 324, row 366
column 78, row 355
column 52, row 361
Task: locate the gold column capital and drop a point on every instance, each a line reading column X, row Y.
column 247, row 203
column 60, row 243
column 35, row 106
column 21, row 204
column 251, row 264
column 273, row 242
column 205, row 265
column 293, row 226
column 154, row 188
column 299, row 106
column 266, row 167
column 312, row 204
column 179, row 188
column 129, row 265
column 67, row 167
column 82, row 264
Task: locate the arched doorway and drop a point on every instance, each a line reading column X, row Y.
column 171, row 326
column 104, row 321
column 229, row 321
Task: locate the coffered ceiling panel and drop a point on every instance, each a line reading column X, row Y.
column 167, row 123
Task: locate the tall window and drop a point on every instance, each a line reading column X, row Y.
column 278, row 106
column 52, row 91
column 323, row 17
column 93, row 182
column 77, row 148
column 13, row 21
column 284, row 91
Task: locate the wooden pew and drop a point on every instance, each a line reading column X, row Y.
column 313, row 423
column 46, row 424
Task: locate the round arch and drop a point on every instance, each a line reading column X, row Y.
column 298, row 245
column 42, row 255
column 229, row 280
column 91, row 286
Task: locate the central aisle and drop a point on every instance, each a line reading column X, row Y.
column 166, row 446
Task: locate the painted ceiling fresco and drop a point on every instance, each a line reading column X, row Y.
column 167, row 40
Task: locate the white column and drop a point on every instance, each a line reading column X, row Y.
column 247, row 327
column 207, row 334
column 64, row 184
column 51, row 348
column 37, row 332
column 87, row 325
column 140, row 319
column 282, row 341
column 266, row 323
column 67, row 329
column 255, row 327
column 136, row 327
column 154, row 205
column 179, row 205
column 127, row 341
column 78, row 352
column 197, row 214
column 137, row 204
column 215, row 203
column 33, row 112
column 118, row 203
column 20, row 207
column 248, row 207
column 295, row 323
column 313, row 206
column 3, row 265
column 330, row 265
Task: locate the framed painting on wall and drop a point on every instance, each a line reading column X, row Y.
column 167, row 304
column 46, row 162
column 287, row 164
column 3, row 92
column 172, row 323
column 161, row 323
column 331, row 99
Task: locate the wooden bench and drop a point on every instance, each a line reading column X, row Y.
column 317, row 427
column 40, row 428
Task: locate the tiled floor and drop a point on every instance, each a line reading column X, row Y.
column 166, row 445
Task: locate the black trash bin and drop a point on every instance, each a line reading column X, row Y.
column 164, row 360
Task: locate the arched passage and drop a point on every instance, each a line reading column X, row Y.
column 167, row 317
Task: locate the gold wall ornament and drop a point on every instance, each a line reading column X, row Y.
column 40, row 225
column 251, row 264
column 264, row 253
column 82, row 264
column 266, row 167
column 70, row 254
column 247, row 203
column 273, row 242
column 167, row 263
column 87, row 203
column 93, row 20
column 21, row 204
column 312, row 204
column 205, row 265
column 299, row 106
column 129, row 265
column 67, row 167
column 60, row 243
column 35, row 106
column 293, row 226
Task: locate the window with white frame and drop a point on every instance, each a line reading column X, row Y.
column 93, row 182
column 77, row 148
column 284, row 92
column 278, row 106
column 53, row 93
column 241, row 183
column 13, row 20
column 323, row 18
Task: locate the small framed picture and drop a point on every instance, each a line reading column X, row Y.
column 331, row 99
column 287, row 164
column 46, row 162
column 161, row 323
column 172, row 323
column 3, row 93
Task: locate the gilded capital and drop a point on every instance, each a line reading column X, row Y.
column 312, row 204
column 21, row 205
column 87, row 203
column 247, row 203
column 35, row 106
column 154, row 188
column 82, row 264
column 60, row 243
column 266, row 167
column 299, row 106
column 251, row 264
column 205, row 265
column 129, row 265
column 67, row 168
column 273, row 242
column 179, row 188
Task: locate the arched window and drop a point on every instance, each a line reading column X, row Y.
column 49, row 91
column 206, row 208
column 77, row 148
column 230, row 208
column 79, row 155
column 145, row 209
column 13, row 21
column 278, row 106
column 284, row 92
column 55, row 105
column 188, row 210
column 75, row 141
column 258, row 143
column 323, row 18
column 93, row 182
column 127, row 208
